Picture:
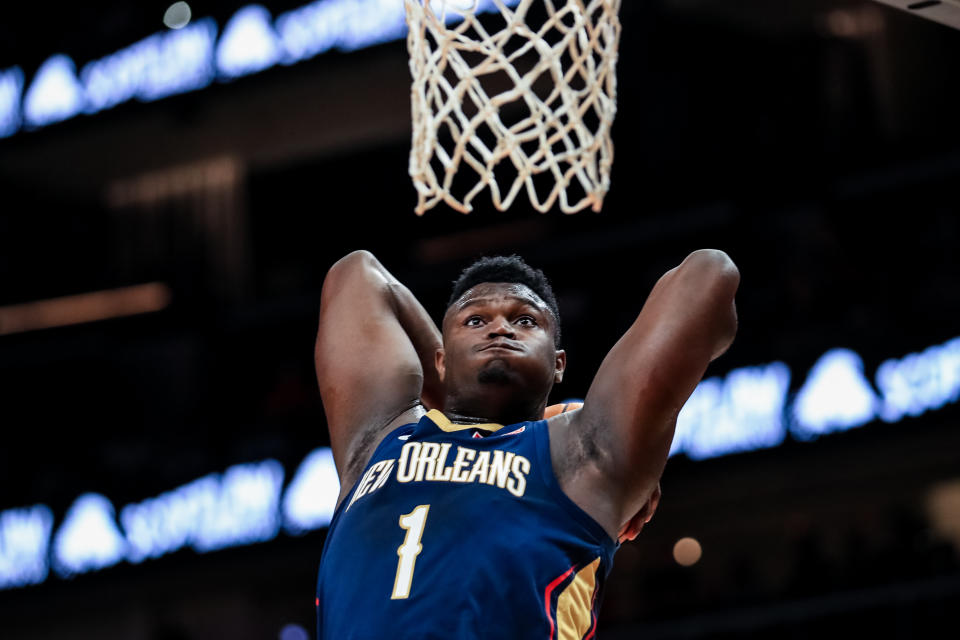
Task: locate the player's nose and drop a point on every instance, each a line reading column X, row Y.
column 501, row 327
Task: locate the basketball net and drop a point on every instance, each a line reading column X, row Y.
column 527, row 106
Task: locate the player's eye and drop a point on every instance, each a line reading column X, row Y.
column 473, row 321
column 526, row 321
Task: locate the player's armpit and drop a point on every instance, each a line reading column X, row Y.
column 627, row 422
column 370, row 337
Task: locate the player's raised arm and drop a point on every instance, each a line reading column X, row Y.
column 626, row 426
column 374, row 358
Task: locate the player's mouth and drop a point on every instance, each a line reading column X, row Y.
column 500, row 345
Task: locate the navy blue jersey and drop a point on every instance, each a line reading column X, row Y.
column 457, row 531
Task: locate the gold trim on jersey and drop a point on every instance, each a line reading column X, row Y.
column 443, row 423
column 575, row 604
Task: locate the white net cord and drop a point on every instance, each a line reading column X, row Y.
column 523, row 102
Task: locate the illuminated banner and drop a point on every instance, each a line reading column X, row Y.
column 156, row 67
column 919, row 382
column 191, row 57
column 238, row 507
column 741, row 412
column 748, row 409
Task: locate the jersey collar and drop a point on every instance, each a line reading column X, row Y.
column 443, row 423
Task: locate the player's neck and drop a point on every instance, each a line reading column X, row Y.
column 492, row 403
column 465, row 413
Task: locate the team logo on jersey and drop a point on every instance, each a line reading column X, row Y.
column 477, row 434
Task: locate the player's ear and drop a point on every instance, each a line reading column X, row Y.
column 561, row 366
column 438, row 359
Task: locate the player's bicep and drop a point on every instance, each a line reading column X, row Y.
column 367, row 368
column 631, row 407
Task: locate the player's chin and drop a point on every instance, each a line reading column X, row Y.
column 497, row 371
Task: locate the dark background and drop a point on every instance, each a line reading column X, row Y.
column 816, row 142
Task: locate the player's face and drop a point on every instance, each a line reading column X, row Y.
column 499, row 337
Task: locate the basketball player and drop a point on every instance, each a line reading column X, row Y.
column 462, row 513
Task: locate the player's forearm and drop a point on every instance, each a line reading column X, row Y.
column 419, row 327
column 425, row 337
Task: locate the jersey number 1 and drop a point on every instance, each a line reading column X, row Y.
column 413, row 523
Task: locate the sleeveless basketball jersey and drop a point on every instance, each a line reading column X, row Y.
column 457, row 531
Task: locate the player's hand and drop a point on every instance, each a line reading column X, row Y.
column 635, row 525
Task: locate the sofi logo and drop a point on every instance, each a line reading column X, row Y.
column 192, row 56
column 242, row 505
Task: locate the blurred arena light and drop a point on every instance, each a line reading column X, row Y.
column 860, row 22
column 293, row 632
column 177, row 15
column 55, row 94
column 248, row 43
column 943, row 509
column 11, row 87
column 312, row 495
column 89, row 538
column 687, row 552
column 836, row 396
column 24, row 542
column 85, row 307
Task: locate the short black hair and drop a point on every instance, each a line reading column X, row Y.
column 508, row 269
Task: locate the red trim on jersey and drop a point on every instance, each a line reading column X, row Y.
column 546, row 597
